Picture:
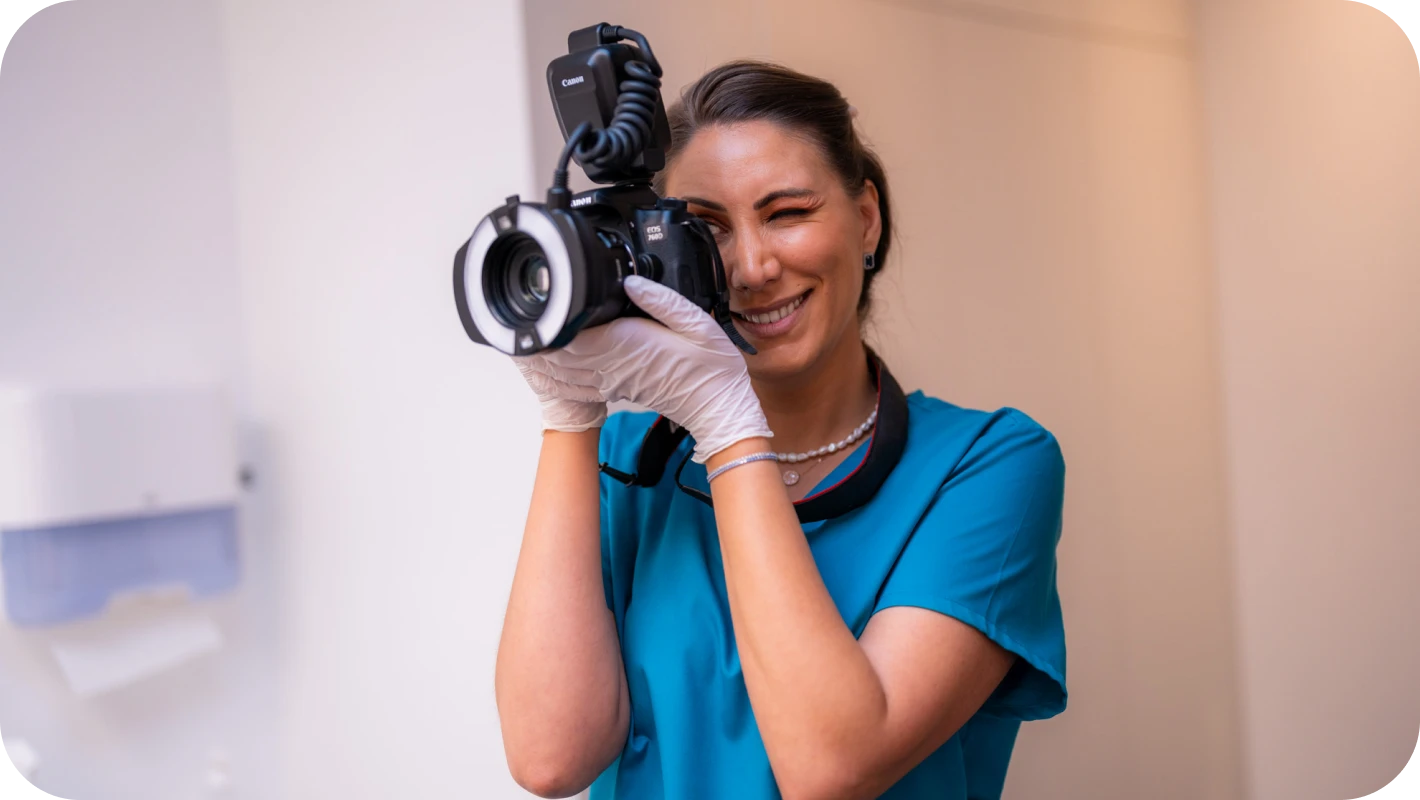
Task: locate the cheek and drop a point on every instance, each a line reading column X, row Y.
column 809, row 251
column 828, row 262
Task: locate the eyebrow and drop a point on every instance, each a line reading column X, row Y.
column 700, row 201
column 761, row 203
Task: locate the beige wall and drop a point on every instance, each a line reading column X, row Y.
column 1314, row 129
column 1048, row 177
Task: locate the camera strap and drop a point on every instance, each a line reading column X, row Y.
column 885, row 446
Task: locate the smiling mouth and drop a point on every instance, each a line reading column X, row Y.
column 770, row 317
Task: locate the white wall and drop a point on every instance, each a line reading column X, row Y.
column 117, row 270
column 371, row 137
column 1047, row 165
column 116, row 192
column 270, row 193
column 1313, row 122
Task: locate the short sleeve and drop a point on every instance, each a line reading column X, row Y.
column 984, row 553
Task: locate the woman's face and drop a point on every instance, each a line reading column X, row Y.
column 791, row 237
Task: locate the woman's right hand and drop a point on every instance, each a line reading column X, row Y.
column 565, row 406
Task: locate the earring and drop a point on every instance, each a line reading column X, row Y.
column 869, row 261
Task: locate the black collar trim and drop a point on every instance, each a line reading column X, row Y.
column 885, row 446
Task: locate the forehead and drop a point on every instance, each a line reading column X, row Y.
column 744, row 161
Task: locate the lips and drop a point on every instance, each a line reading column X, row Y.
column 778, row 319
column 776, row 312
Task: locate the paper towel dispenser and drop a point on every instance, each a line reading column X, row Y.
column 104, row 493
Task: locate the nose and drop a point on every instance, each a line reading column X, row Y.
column 751, row 266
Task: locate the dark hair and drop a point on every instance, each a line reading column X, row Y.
column 746, row 90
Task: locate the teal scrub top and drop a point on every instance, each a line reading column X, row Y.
column 966, row 525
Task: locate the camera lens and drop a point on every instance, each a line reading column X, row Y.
column 534, row 278
column 517, row 279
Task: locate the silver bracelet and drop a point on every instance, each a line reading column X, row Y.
column 740, row 462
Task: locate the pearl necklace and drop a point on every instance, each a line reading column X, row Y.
column 791, row 477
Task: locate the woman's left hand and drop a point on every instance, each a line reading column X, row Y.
column 685, row 369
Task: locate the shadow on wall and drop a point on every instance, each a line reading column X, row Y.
column 1035, row 164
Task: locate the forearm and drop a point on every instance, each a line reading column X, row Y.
column 817, row 699
column 559, row 683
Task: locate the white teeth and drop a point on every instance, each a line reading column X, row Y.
column 777, row 314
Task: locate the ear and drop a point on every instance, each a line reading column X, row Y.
column 871, row 215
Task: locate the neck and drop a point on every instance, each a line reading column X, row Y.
column 822, row 404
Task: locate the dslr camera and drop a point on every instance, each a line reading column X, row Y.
column 533, row 275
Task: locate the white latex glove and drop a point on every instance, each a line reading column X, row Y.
column 686, row 369
column 565, row 406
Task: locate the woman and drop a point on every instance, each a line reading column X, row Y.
column 733, row 652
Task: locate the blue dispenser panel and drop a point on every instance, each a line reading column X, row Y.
column 63, row 573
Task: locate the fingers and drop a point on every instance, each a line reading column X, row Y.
column 551, row 389
column 554, row 364
column 590, row 342
column 670, row 307
column 550, row 380
column 595, row 348
column 545, row 386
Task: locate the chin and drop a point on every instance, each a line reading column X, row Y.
column 780, row 361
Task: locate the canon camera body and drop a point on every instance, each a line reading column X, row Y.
column 533, row 275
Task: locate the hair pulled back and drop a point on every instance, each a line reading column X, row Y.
column 751, row 90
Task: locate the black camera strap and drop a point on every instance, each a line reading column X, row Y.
column 657, row 447
column 885, row 447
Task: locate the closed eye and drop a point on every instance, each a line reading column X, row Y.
column 789, row 212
